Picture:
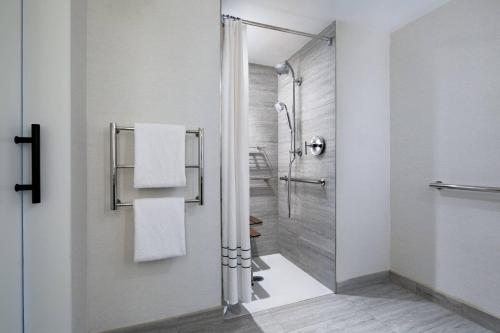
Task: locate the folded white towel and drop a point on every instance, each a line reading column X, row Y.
column 159, row 228
column 159, row 155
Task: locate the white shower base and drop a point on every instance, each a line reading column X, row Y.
column 283, row 283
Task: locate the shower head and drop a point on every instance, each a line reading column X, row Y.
column 280, row 106
column 285, row 68
column 282, row 68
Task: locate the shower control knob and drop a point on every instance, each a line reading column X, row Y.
column 317, row 145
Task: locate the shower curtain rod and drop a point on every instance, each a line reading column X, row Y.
column 329, row 39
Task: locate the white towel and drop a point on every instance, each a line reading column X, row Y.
column 159, row 228
column 159, row 155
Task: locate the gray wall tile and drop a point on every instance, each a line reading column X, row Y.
column 308, row 238
column 263, row 121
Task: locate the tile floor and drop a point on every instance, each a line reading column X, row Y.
column 379, row 308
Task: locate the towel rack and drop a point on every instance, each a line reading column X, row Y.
column 114, row 166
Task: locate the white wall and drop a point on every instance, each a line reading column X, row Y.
column 155, row 61
column 363, row 201
column 445, row 121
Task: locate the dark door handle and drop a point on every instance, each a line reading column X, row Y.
column 35, row 163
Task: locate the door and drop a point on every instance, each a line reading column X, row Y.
column 42, row 257
column 11, row 222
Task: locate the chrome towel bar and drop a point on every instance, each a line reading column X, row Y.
column 321, row 181
column 440, row 186
column 114, row 166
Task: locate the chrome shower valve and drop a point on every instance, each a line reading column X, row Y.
column 317, row 145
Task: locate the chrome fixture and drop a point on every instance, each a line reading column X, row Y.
column 321, row 181
column 328, row 39
column 285, row 68
column 279, row 107
column 440, row 186
column 260, row 162
column 114, row 166
column 317, row 145
column 282, row 69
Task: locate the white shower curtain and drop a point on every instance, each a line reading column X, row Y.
column 236, row 254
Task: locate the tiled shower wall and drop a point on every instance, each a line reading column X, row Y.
column 263, row 120
column 308, row 238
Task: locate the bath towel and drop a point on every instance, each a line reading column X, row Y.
column 159, row 155
column 159, row 228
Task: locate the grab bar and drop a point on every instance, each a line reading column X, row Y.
column 321, row 181
column 440, row 185
column 265, row 178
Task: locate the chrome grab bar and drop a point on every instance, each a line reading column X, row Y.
column 321, row 181
column 440, row 186
column 266, row 178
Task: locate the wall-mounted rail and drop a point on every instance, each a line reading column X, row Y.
column 260, row 164
column 114, row 166
column 264, row 178
column 442, row 186
column 321, row 181
column 328, row 39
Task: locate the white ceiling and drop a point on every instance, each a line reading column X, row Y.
column 269, row 47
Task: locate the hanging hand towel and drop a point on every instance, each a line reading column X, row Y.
column 159, row 155
column 159, row 228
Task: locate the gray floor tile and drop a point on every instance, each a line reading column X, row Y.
column 380, row 308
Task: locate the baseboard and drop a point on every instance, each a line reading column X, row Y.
column 362, row 281
column 478, row 316
column 209, row 315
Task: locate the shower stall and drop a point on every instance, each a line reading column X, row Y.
column 292, row 174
